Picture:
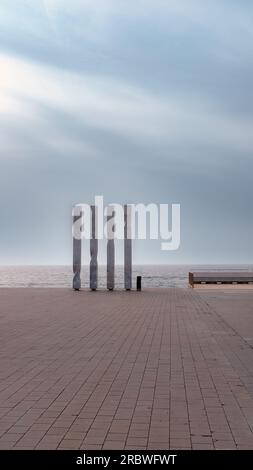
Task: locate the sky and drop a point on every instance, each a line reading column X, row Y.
column 145, row 101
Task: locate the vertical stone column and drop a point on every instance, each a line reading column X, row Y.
column 77, row 215
column 93, row 249
column 110, row 248
column 127, row 247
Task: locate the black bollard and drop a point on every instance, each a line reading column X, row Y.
column 138, row 283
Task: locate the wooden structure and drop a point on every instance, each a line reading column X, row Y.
column 219, row 277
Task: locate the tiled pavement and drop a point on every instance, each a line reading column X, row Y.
column 127, row 370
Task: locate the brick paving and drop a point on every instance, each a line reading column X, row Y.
column 156, row 369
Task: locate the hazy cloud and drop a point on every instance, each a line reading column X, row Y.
column 137, row 100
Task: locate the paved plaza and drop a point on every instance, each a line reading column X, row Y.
column 157, row 369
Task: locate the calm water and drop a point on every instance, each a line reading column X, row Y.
column 61, row 276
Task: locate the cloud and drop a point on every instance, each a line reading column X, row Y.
column 110, row 105
column 137, row 100
column 84, row 27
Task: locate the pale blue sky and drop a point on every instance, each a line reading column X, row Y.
column 141, row 101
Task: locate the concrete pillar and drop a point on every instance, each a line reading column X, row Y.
column 110, row 248
column 127, row 247
column 93, row 249
column 77, row 250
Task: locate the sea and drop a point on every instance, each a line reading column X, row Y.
column 61, row 276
